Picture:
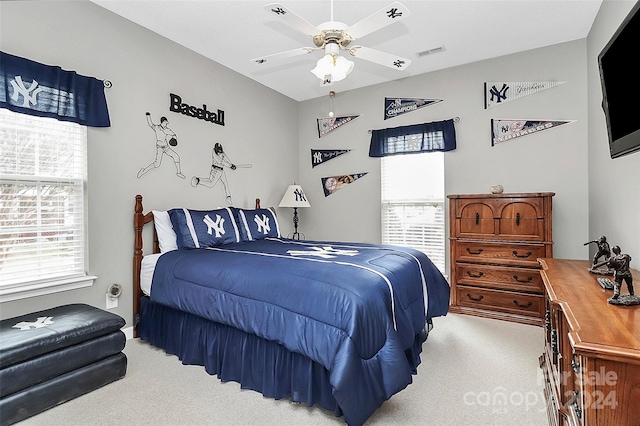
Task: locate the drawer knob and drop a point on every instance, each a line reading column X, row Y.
column 477, row 218
column 518, row 219
column 475, row 299
column 521, row 256
column 478, row 275
column 475, row 252
column 528, row 280
column 528, row 305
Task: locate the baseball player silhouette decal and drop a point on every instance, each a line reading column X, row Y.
column 219, row 161
column 166, row 139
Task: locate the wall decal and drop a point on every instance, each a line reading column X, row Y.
column 326, row 125
column 394, row 107
column 219, row 161
column 332, row 184
column 176, row 105
column 166, row 139
column 500, row 92
column 505, row 130
column 319, row 156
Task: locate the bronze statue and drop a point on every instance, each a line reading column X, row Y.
column 620, row 263
column 603, row 250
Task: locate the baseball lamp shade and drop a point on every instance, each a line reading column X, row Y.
column 294, row 197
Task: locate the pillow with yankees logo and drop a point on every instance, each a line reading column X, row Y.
column 258, row 224
column 204, row 228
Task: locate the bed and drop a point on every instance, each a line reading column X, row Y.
column 333, row 324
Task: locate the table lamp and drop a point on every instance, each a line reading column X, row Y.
column 294, row 197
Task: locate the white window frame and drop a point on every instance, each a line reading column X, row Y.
column 26, row 129
column 413, row 203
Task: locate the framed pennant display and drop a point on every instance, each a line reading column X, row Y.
column 333, row 184
column 329, row 124
column 319, row 156
column 501, row 92
column 394, row 107
column 505, row 130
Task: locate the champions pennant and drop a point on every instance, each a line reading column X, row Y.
column 332, row 184
column 500, row 92
column 319, row 156
column 394, row 107
column 505, row 130
column 326, row 125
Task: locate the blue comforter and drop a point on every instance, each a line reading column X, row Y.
column 357, row 309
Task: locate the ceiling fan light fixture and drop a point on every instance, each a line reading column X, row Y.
column 332, row 66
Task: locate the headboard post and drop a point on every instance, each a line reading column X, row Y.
column 139, row 220
column 138, row 224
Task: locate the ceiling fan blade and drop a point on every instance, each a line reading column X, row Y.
column 386, row 16
column 283, row 55
column 382, row 58
column 290, row 18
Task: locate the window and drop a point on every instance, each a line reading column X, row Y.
column 42, row 208
column 413, row 206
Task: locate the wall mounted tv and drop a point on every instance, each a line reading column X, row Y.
column 621, row 86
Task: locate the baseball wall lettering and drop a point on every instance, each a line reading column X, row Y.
column 176, row 105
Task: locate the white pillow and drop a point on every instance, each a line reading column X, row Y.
column 147, row 267
column 167, row 238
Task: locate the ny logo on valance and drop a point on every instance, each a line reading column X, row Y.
column 32, row 88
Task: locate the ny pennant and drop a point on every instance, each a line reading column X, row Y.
column 319, row 156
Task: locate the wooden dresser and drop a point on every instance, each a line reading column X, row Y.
column 591, row 360
column 495, row 241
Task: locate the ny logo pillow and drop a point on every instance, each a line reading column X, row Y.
column 204, row 228
column 258, row 224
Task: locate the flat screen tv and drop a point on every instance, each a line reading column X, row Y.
column 621, row 86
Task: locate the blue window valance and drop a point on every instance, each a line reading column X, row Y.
column 29, row 87
column 413, row 139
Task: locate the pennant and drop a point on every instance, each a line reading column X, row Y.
column 505, row 130
column 326, row 125
column 332, row 184
column 394, row 107
column 319, row 156
column 500, row 92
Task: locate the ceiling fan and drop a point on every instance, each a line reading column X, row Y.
column 334, row 36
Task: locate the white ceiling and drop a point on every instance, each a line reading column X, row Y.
column 234, row 32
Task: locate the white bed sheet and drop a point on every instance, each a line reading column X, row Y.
column 146, row 271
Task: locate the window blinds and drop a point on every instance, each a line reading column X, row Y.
column 413, row 209
column 42, row 171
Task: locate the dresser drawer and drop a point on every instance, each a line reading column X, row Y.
column 499, row 253
column 499, row 300
column 501, row 277
column 513, row 218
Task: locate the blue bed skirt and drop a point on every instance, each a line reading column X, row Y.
column 233, row 355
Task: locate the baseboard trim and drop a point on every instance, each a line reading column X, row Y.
column 128, row 332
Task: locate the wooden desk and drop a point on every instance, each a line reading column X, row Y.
column 591, row 361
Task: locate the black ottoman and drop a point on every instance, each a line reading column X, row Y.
column 52, row 356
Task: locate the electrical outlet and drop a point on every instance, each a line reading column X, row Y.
column 112, row 302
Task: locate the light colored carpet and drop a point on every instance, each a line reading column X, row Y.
column 474, row 371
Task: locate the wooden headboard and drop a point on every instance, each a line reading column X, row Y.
column 140, row 219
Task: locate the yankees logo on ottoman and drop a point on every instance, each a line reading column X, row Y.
column 52, row 356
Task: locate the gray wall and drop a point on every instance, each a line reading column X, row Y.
column 614, row 185
column 554, row 160
column 261, row 129
column 594, row 195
